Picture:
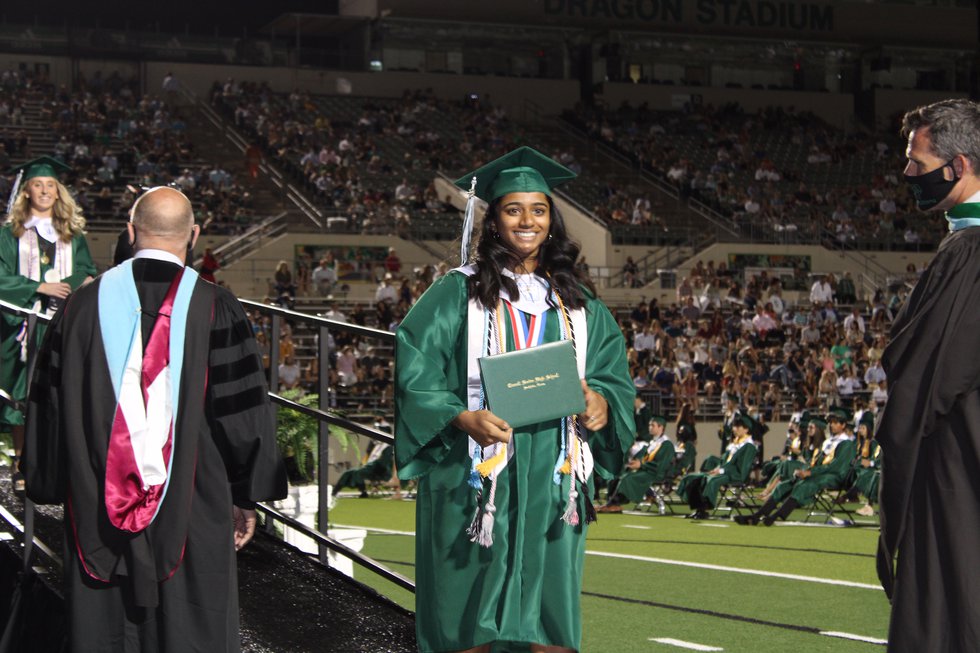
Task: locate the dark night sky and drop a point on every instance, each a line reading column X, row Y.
column 201, row 16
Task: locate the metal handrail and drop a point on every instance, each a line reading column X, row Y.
column 334, row 545
column 325, row 418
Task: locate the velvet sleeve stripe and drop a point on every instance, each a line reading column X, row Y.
column 239, row 402
column 235, row 370
column 229, row 335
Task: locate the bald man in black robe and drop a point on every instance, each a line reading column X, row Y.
column 169, row 585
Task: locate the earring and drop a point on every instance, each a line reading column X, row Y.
column 549, row 236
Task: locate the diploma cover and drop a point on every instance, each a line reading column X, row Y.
column 533, row 385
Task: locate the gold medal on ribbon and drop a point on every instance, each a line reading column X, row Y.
column 45, row 260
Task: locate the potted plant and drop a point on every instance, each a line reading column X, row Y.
column 296, row 435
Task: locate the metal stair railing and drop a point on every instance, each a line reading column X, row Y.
column 30, row 544
column 252, row 240
column 294, row 195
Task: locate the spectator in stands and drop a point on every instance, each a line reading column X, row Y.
column 821, row 291
column 393, row 264
column 846, row 293
column 209, row 265
column 324, row 276
column 283, row 278
column 386, row 292
column 289, row 373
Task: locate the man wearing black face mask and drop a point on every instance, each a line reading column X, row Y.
column 929, row 429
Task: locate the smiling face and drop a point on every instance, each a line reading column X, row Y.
column 523, row 221
column 42, row 193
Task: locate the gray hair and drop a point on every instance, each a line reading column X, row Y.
column 954, row 128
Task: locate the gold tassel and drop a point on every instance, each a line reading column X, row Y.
column 487, row 466
column 566, row 468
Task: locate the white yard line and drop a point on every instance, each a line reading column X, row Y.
column 737, row 570
column 643, row 528
column 680, row 643
column 714, row 525
column 857, row 638
column 386, row 531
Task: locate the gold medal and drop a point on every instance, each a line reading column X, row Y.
column 44, row 259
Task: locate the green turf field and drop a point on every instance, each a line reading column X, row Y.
column 711, row 584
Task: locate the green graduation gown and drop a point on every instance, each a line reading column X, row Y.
column 735, row 469
column 867, row 478
column 19, row 290
column 634, row 484
column 828, row 474
column 377, row 468
column 684, row 459
column 525, row 587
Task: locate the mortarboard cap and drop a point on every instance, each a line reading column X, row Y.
column 840, row 414
column 524, row 170
column 43, row 166
column 868, row 419
column 659, row 419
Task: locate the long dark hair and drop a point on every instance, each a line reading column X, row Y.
column 556, row 263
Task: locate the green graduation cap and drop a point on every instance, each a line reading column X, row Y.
column 840, row 414
column 819, row 422
column 659, row 419
column 524, row 170
column 746, row 420
column 868, row 419
column 43, row 166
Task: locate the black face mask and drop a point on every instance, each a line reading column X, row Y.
column 931, row 188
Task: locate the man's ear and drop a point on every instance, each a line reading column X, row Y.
column 132, row 233
column 195, row 233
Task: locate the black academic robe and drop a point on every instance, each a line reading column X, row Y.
column 929, row 433
column 173, row 586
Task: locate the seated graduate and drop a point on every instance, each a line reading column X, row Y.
column 685, row 450
column 793, row 449
column 641, row 417
column 867, row 465
column 379, row 466
column 650, row 465
column 700, row 490
column 732, row 407
column 803, row 453
column 831, row 471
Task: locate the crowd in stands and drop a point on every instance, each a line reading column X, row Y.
column 116, row 140
column 372, row 161
column 720, row 340
column 776, row 173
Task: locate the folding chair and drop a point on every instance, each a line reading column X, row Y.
column 825, row 505
column 735, row 498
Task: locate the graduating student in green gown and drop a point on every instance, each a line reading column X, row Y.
column 700, row 490
column 43, row 258
column 502, row 512
column 832, row 470
column 379, row 466
column 867, row 465
column 803, row 436
column 650, row 465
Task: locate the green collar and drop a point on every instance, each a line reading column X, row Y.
column 963, row 216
